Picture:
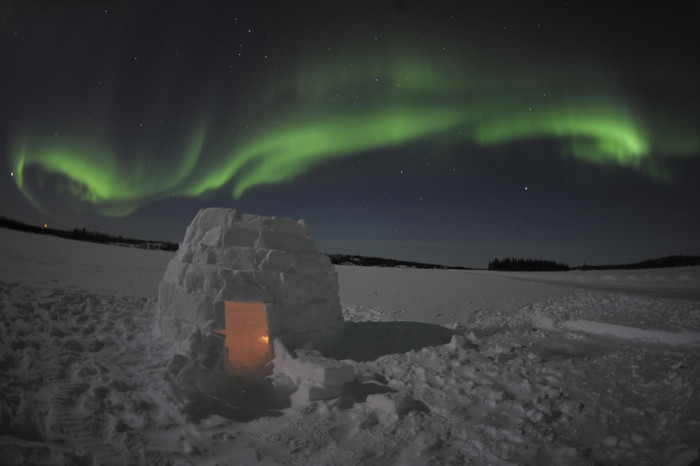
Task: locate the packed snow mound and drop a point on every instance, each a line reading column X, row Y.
column 230, row 256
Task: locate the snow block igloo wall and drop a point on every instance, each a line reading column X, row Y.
column 229, row 260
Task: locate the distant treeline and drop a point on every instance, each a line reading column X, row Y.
column 347, row 259
column 530, row 265
column 507, row 264
column 82, row 234
column 668, row 261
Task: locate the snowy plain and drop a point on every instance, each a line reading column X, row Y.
column 452, row 367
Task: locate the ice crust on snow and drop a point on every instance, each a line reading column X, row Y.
column 231, row 256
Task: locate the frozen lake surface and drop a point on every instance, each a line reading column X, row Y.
column 453, row 367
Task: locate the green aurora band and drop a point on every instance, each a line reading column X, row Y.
column 349, row 107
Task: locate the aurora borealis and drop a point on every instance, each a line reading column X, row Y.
column 114, row 110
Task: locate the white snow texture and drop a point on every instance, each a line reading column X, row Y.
column 448, row 367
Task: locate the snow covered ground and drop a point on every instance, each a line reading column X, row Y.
column 453, row 367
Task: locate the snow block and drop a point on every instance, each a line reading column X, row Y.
column 194, row 235
column 240, row 258
column 389, row 407
column 311, row 365
column 252, row 222
column 241, row 237
column 460, row 342
column 317, row 377
column 184, row 253
column 213, row 237
column 384, row 408
column 305, row 287
column 175, row 272
column 288, row 225
column 286, row 242
column 299, row 263
column 194, row 307
column 243, row 285
column 309, row 391
column 193, row 278
column 204, row 255
column 277, row 260
column 209, row 218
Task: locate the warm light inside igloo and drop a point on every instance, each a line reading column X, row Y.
column 247, row 338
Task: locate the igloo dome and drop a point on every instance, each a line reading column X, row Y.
column 239, row 281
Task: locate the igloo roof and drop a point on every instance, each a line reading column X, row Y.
column 227, row 228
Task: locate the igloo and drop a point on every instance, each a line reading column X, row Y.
column 240, row 281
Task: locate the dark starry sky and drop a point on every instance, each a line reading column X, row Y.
column 448, row 132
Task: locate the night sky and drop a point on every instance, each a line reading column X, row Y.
column 447, row 132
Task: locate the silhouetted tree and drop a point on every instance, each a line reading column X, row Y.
column 531, row 265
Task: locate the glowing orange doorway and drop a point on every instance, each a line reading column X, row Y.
column 247, row 338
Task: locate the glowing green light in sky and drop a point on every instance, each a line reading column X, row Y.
column 594, row 133
column 345, row 107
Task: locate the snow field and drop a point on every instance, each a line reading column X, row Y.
column 450, row 368
column 80, row 377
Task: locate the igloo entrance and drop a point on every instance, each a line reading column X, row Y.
column 247, row 341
